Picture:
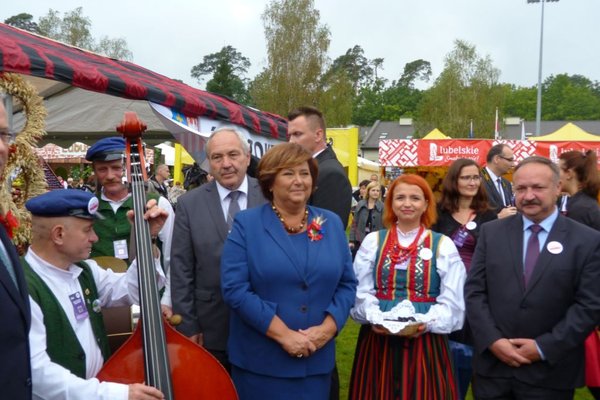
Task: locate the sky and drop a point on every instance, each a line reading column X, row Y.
column 170, row 37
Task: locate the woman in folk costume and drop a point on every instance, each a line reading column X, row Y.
column 407, row 261
column 580, row 179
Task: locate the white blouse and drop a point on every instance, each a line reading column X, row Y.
column 447, row 314
column 51, row 380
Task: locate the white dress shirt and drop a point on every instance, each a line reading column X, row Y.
column 52, row 381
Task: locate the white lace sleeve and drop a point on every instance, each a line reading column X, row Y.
column 364, row 263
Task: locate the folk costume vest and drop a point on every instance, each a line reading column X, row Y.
column 115, row 226
column 62, row 344
column 419, row 282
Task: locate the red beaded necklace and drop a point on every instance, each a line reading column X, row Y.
column 400, row 254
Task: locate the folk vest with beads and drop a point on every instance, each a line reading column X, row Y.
column 62, row 344
column 419, row 282
column 115, row 226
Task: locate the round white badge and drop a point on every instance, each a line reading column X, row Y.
column 425, row 253
column 555, row 247
column 471, row 225
column 93, row 205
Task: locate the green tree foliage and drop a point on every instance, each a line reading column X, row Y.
column 356, row 66
column 297, row 45
column 520, row 102
column 23, row 21
column 74, row 28
column 389, row 103
column 227, row 67
column 467, row 89
column 336, row 99
column 569, row 97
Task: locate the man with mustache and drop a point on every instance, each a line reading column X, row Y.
column 532, row 294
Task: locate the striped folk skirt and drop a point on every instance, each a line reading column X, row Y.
column 391, row 367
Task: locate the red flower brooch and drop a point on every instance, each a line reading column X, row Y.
column 315, row 229
column 9, row 222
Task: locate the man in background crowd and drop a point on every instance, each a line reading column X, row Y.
column 306, row 127
column 500, row 160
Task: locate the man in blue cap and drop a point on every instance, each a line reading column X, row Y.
column 114, row 231
column 67, row 336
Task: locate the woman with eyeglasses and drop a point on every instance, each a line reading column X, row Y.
column 462, row 209
column 579, row 178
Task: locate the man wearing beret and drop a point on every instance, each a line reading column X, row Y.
column 115, row 200
column 67, row 337
column 15, row 372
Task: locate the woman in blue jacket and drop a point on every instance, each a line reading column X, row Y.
column 286, row 274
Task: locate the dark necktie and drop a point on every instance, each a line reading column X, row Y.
column 234, row 207
column 500, row 190
column 532, row 253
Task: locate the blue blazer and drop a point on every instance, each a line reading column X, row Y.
column 261, row 277
column 15, row 367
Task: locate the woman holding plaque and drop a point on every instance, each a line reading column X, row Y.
column 407, row 261
column 462, row 209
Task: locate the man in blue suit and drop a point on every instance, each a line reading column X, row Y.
column 532, row 294
column 15, row 369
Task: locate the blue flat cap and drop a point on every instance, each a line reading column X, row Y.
column 107, row 149
column 65, row 203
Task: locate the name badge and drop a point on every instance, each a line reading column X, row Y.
column 120, row 248
column 460, row 236
column 79, row 307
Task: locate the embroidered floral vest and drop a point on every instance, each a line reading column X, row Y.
column 419, row 282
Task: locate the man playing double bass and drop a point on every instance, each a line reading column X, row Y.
column 67, row 338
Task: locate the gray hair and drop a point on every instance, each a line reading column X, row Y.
column 229, row 128
column 544, row 161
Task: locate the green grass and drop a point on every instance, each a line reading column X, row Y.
column 346, row 343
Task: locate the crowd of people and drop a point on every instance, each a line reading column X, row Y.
column 492, row 285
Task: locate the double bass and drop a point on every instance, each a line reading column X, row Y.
column 156, row 353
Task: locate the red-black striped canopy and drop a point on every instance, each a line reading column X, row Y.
column 29, row 54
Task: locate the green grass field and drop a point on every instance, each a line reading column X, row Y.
column 346, row 342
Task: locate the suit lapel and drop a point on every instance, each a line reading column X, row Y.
column 281, row 238
column 20, row 297
column 215, row 210
column 255, row 197
column 558, row 233
column 492, row 189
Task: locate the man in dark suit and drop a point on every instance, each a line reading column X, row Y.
column 500, row 159
column 202, row 223
column 306, row 127
column 532, row 294
column 15, row 367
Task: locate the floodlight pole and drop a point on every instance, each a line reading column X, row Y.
column 538, row 112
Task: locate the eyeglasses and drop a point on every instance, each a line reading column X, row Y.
column 469, row 178
column 7, row 137
column 510, row 159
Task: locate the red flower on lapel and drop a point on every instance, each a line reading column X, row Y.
column 315, row 228
column 9, row 222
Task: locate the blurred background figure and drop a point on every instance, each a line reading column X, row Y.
column 286, row 274
column 462, row 209
column 410, row 262
column 367, row 216
column 579, row 179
